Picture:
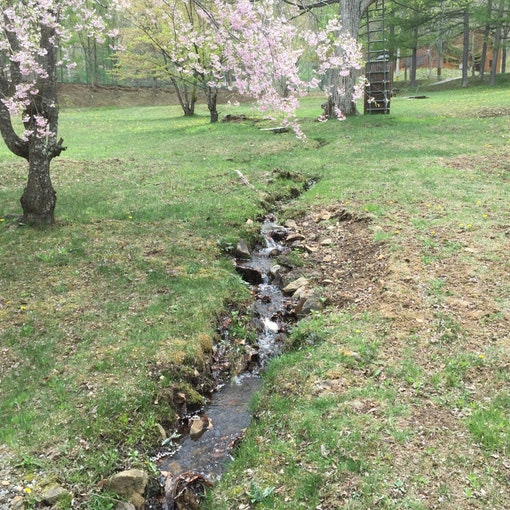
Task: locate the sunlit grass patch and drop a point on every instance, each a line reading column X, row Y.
column 489, row 423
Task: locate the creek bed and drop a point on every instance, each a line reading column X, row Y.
column 228, row 415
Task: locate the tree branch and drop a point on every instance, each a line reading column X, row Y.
column 308, row 7
column 56, row 148
column 15, row 144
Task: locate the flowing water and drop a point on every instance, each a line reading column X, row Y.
column 203, row 455
column 228, row 414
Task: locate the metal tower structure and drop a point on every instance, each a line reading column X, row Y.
column 378, row 67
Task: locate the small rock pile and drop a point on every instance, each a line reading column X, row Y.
column 15, row 490
column 12, row 486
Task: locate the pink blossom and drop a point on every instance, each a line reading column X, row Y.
column 29, row 32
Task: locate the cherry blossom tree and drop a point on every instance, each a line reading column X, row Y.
column 31, row 33
column 173, row 39
column 257, row 45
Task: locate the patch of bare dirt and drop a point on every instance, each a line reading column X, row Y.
column 497, row 163
column 341, row 255
column 87, row 96
column 499, row 111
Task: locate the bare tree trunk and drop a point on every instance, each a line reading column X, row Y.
column 94, row 64
column 90, row 66
column 497, row 43
column 39, row 198
column 186, row 98
column 190, row 99
column 504, row 51
column 341, row 90
column 465, row 49
column 212, row 103
column 340, row 100
column 439, row 58
column 414, row 62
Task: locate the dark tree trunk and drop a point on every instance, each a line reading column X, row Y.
column 211, row 96
column 497, row 44
column 187, row 98
column 212, row 103
column 504, row 52
column 190, row 97
column 154, row 87
column 39, row 197
column 486, row 34
column 465, row 49
column 329, row 107
column 414, row 61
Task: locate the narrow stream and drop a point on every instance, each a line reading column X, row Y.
column 200, row 458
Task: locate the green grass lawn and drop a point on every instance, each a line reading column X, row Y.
column 115, row 308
